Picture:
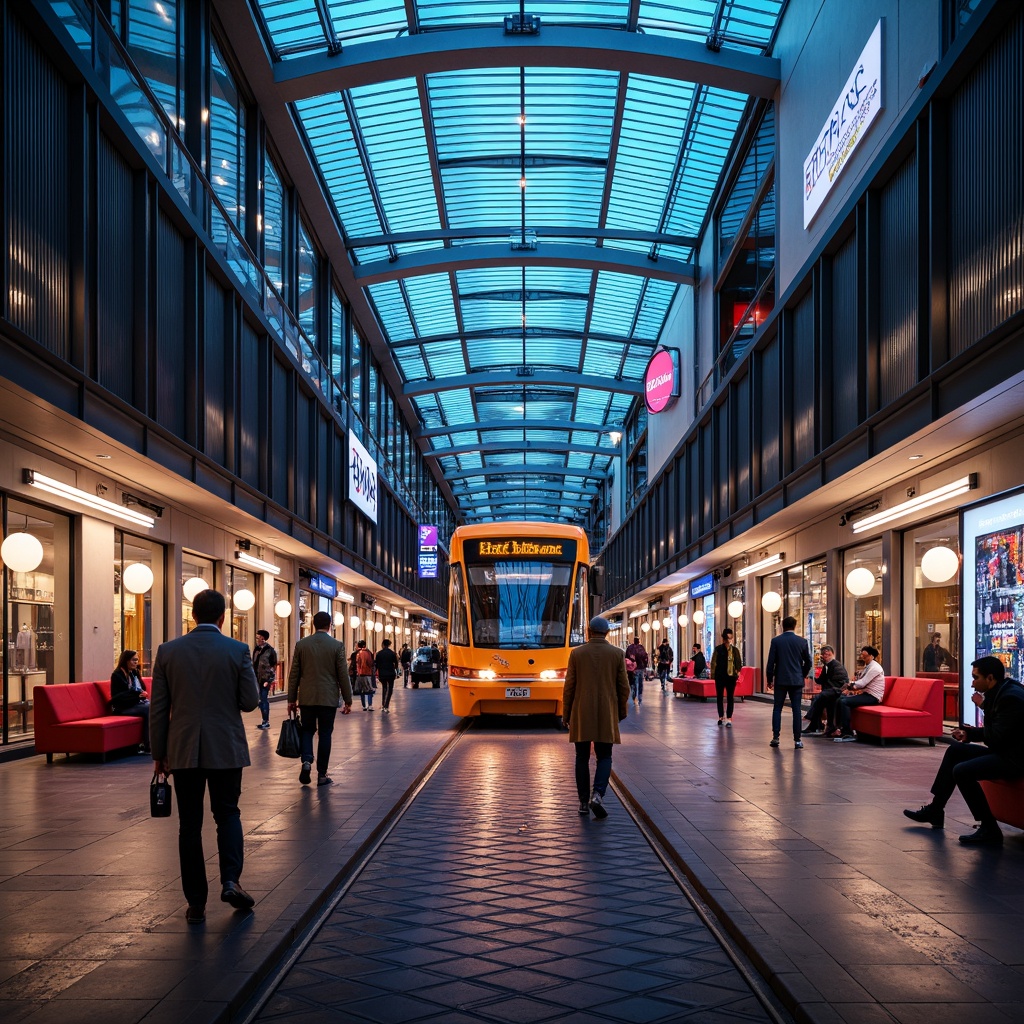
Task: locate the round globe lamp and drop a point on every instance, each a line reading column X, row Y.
column 698, row 618
column 645, row 626
column 860, row 582
column 378, row 627
column 355, row 622
column 684, row 621
column 369, row 625
column 666, row 622
column 244, row 600
column 137, row 578
column 192, row 586
column 339, row 618
column 21, row 552
column 940, row 564
column 735, row 609
column 283, row 609
column 771, row 602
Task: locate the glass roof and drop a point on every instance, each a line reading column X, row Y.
column 521, row 232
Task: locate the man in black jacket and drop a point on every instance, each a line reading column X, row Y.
column 965, row 763
column 386, row 663
column 832, row 679
column 789, row 664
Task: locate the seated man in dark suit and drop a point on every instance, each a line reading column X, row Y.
column 832, row 678
column 965, row 762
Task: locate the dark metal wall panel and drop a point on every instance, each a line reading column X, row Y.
column 281, row 430
column 707, row 476
column 804, row 375
column 841, row 399
column 898, row 298
column 303, row 460
column 986, row 193
column 322, row 482
column 251, row 423
column 171, row 363
column 37, row 191
column 216, row 339
column 115, row 272
column 768, row 444
column 741, row 455
column 722, row 469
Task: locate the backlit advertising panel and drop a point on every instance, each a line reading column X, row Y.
column 427, row 552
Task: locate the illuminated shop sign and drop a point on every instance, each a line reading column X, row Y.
column 992, row 590
column 319, row 584
column 852, row 115
column 522, row 547
column 661, row 380
column 702, row 585
column 427, row 552
column 362, row 478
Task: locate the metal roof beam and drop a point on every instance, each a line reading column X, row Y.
column 516, row 472
column 372, row 63
column 538, row 447
column 555, row 254
column 559, row 424
column 541, row 375
column 541, row 231
column 529, row 502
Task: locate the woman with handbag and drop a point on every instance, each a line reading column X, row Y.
column 128, row 695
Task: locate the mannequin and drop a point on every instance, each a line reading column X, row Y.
column 25, row 649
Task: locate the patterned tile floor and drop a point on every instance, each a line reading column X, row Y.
column 493, row 900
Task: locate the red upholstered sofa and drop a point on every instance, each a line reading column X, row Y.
column 910, row 708
column 1006, row 800
column 686, row 686
column 75, row 719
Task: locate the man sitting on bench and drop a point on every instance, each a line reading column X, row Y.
column 965, row 762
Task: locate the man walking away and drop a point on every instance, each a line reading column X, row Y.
column 317, row 683
column 664, row 662
column 725, row 670
column 386, row 663
column 595, row 699
column 405, row 657
column 789, row 664
column 264, row 664
column 965, row 763
column 635, row 651
column 201, row 682
column 364, row 675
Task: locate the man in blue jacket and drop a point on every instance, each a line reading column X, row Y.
column 789, row 665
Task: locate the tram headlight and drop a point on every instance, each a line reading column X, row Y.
column 488, row 673
column 549, row 673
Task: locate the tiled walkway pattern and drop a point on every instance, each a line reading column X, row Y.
column 494, row 901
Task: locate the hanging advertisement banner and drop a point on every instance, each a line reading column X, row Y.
column 427, row 552
column 362, row 478
column 661, row 380
column 860, row 102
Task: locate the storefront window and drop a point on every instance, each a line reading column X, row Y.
column 138, row 597
column 242, row 598
column 808, row 591
column 35, row 649
column 735, row 600
column 280, row 636
column 195, row 572
column 862, row 601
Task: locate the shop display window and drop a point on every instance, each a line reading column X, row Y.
column 138, row 598
column 242, row 599
column 807, row 587
column 280, row 632
column 863, row 572
column 35, row 649
column 196, row 575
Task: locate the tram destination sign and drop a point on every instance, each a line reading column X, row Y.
column 852, row 114
column 499, row 548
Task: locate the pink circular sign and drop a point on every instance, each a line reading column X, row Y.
column 661, row 381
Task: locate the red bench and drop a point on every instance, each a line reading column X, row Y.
column 75, row 718
column 687, row 686
column 909, row 708
column 1005, row 799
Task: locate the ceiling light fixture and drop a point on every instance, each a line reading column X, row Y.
column 98, row 504
column 950, row 490
column 763, row 564
column 257, row 563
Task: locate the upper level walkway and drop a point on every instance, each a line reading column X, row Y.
column 853, row 913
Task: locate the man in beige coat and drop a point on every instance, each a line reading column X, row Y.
column 317, row 683
column 201, row 683
column 594, row 701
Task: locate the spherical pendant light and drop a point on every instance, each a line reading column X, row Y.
column 940, row 564
column 244, row 600
column 194, row 585
column 283, row 609
column 137, row 578
column 860, row 582
column 684, row 621
column 339, row 618
column 666, row 622
column 21, row 552
column 355, row 622
column 369, row 625
column 645, row 627
column 735, row 609
column 698, row 618
column 378, row 627
column 771, row 601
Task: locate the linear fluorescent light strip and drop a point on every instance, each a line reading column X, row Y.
column 961, row 486
column 257, row 563
column 93, row 501
column 763, row 564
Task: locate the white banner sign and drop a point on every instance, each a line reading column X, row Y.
column 362, row 477
column 852, row 115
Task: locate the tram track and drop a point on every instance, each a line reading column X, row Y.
column 293, row 957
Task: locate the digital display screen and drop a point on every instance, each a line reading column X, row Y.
column 520, row 547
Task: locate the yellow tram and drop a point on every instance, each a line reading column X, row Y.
column 518, row 602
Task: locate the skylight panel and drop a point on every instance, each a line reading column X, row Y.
column 445, row 358
column 615, row 303
column 599, row 13
column 391, row 310
column 432, row 304
column 493, row 353
column 456, row 405
column 410, row 362
column 362, row 21
column 603, row 357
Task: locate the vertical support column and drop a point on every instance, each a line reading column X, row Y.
column 81, row 266
column 143, row 236
column 892, row 588
column 92, row 590
column 935, row 218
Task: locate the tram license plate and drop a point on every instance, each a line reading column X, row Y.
column 517, row 691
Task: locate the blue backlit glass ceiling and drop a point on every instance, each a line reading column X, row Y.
column 521, row 273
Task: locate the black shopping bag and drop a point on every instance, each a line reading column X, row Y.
column 159, row 796
column 288, row 742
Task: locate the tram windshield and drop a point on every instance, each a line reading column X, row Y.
column 518, row 604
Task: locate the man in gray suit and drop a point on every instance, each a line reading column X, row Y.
column 317, row 683
column 201, row 682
